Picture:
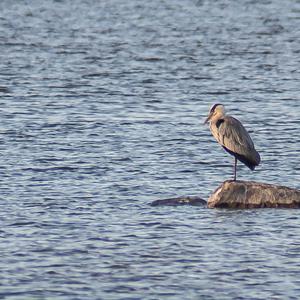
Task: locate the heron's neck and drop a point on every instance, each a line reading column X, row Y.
column 218, row 116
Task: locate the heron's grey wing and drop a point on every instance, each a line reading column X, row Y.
column 235, row 137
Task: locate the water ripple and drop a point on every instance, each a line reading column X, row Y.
column 102, row 110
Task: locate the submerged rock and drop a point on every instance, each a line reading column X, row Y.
column 249, row 194
column 183, row 200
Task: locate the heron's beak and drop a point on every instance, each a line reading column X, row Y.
column 208, row 118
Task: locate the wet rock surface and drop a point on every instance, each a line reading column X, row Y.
column 249, row 194
column 183, row 200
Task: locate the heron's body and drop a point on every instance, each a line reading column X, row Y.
column 233, row 137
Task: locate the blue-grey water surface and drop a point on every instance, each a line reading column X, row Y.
column 102, row 109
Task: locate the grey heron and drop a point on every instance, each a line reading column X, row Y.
column 233, row 137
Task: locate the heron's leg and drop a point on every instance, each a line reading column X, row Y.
column 235, row 164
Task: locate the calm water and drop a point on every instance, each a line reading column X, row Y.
column 102, row 108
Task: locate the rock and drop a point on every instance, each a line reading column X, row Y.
column 249, row 194
column 183, row 200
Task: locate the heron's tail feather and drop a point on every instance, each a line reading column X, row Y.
column 250, row 161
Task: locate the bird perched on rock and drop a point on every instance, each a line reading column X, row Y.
column 233, row 137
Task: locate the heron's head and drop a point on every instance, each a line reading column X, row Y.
column 216, row 111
